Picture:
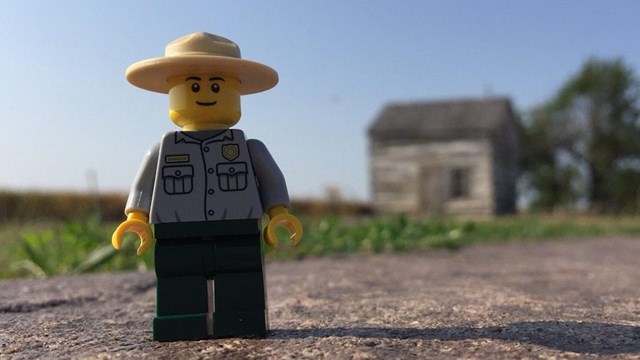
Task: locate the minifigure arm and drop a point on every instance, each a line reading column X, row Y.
column 142, row 188
column 273, row 193
column 139, row 204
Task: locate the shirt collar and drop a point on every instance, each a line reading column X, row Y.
column 207, row 136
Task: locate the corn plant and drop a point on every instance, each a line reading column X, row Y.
column 74, row 247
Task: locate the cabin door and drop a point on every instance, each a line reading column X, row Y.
column 432, row 190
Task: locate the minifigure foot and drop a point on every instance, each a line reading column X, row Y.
column 240, row 324
column 180, row 327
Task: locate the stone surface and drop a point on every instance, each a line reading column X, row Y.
column 563, row 299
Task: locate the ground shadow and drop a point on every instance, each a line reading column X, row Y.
column 579, row 337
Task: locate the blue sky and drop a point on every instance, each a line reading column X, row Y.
column 68, row 112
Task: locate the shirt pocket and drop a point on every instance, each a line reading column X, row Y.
column 232, row 176
column 177, row 179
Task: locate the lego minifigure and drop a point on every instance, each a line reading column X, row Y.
column 205, row 189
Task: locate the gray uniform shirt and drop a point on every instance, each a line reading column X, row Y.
column 207, row 176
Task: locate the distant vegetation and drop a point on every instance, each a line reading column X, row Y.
column 330, row 234
column 80, row 242
column 34, row 205
column 39, row 206
column 582, row 147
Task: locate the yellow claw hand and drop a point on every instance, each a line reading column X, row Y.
column 138, row 223
column 279, row 216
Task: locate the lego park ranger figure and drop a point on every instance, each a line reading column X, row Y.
column 205, row 189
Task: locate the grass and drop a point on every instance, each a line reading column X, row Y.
column 393, row 234
column 47, row 248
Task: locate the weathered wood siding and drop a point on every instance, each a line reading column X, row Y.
column 416, row 178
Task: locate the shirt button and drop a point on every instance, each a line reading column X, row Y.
column 210, row 170
column 211, row 191
column 178, row 172
column 206, row 149
column 211, row 212
column 232, row 170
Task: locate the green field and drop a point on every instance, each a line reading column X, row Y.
column 48, row 247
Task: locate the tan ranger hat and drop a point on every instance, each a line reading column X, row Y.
column 201, row 53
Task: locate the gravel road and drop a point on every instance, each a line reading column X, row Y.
column 557, row 299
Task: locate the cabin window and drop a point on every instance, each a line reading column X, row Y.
column 460, row 183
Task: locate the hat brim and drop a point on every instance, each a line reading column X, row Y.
column 152, row 74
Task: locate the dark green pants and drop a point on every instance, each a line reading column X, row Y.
column 187, row 256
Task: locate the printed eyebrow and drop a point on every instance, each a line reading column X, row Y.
column 193, row 78
column 216, row 78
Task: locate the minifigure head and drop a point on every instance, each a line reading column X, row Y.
column 204, row 76
column 204, row 101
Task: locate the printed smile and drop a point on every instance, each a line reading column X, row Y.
column 201, row 103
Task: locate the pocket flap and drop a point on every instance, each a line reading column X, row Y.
column 232, row 168
column 177, row 171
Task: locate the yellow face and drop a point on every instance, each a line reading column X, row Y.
column 204, row 101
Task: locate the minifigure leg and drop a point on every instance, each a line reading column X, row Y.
column 239, row 287
column 182, row 309
column 182, row 297
column 240, row 305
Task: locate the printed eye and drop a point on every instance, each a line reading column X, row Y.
column 195, row 87
column 215, row 87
